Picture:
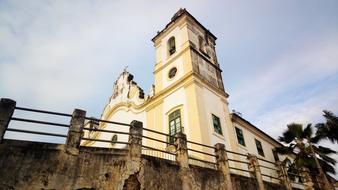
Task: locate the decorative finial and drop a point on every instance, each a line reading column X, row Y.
column 125, row 69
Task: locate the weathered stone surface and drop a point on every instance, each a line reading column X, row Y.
column 26, row 165
column 31, row 165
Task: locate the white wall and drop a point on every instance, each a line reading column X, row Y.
column 123, row 115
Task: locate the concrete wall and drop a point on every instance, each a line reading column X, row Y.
column 31, row 165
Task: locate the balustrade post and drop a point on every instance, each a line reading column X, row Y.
column 135, row 141
column 223, row 166
column 255, row 170
column 75, row 131
column 283, row 176
column 7, row 107
column 306, row 178
column 183, row 160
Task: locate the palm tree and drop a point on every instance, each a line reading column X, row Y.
column 299, row 142
column 329, row 129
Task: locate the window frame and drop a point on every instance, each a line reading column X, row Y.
column 260, row 149
column 177, row 127
column 220, row 130
column 238, row 130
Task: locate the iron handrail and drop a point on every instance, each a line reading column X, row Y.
column 43, row 111
column 106, row 121
column 158, row 150
column 241, row 154
column 243, row 170
column 202, row 160
column 268, row 168
column 266, row 161
column 39, row 122
column 36, row 132
column 107, row 141
column 270, row 176
column 143, row 136
column 150, row 130
column 201, row 152
column 243, row 162
column 200, row 144
column 108, row 131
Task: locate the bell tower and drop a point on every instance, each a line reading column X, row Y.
column 188, row 80
column 185, row 46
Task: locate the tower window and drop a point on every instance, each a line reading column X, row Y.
column 240, row 136
column 171, row 45
column 259, row 147
column 217, row 124
column 201, row 43
column 175, row 125
column 172, row 72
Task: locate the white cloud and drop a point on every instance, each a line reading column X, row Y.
column 291, row 71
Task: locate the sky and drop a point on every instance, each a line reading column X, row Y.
column 279, row 58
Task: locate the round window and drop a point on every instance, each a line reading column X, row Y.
column 172, row 72
column 114, row 139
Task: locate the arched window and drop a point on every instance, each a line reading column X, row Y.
column 171, row 45
column 201, row 43
column 175, row 124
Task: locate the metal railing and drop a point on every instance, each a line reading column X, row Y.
column 92, row 135
column 203, row 156
column 17, row 129
column 154, row 143
column 237, row 165
column 269, row 170
column 159, row 148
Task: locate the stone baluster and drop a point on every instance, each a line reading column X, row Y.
column 256, row 171
column 223, row 166
column 183, row 160
column 135, row 141
column 306, row 178
column 75, row 131
column 283, row 176
column 7, row 107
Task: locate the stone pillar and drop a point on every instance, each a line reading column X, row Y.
column 135, row 141
column 223, row 166
column 283, row 176
column 306, row 178
column 75, row 131
column 255, row 170
column 183, row 160
column 7, row 107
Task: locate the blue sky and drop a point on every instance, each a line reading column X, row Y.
column 279, row 58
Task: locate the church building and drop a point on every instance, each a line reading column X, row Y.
column 187, row 96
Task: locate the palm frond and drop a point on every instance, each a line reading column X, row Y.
column 328, row 159
column 329, row 129
column 324, row 150
column 295, row 129
column 283, row 150
column 327, row 167
column 307, row 133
